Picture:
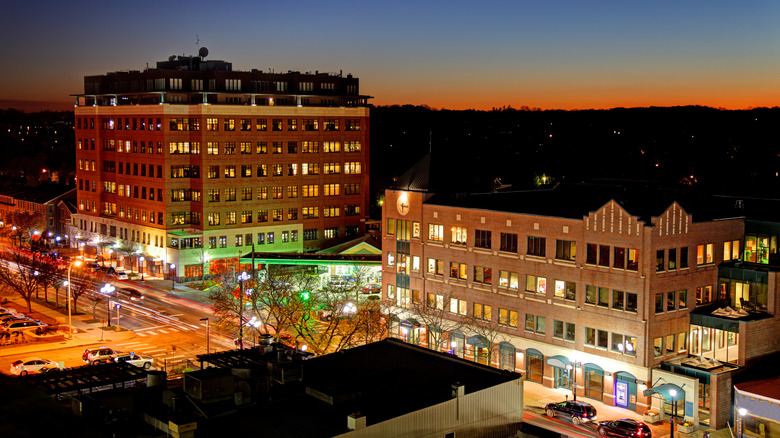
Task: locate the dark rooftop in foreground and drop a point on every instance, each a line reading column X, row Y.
column 382, row 380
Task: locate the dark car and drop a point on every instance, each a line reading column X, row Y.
column 130, row 294
column 625, row 427
column 579, row 412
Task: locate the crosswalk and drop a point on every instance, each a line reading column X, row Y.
column 162, row 330
column 164, row 358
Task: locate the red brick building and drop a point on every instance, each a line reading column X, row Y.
column 193, row 164
column 585, row 287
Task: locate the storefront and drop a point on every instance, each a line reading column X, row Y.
column 534, row 365
column 625, row 390
column 561, row 367
column 507, row 355
column 480, row 351
column 593, row 381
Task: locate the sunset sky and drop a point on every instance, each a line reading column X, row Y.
column 446, row 54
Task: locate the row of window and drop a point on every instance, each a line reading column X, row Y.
column 275, row 215
column 278, row 147
column 214, row 124
column 292, row 169
column 671, row 301
column 269, row 238
column 136, row 169
column 124, row 190
column 600, row 255
column 621, row 343
column 666, row 345
column 110, row 209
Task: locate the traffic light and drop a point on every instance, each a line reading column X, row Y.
column 305, row 295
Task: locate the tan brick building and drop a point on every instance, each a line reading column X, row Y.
column 577, row 286
column 193, row 164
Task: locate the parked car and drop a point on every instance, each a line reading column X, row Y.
column 16, row 325
column 121, row 276
column 30, row 365
column 108, row 270
column 12, row 317
column 579, row 412
column 98, row 355
column 130, row 294
column 625, row 427
column 371, row 289
column 144, row 362
column 94, row 267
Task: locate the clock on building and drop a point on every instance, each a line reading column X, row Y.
column 402, row 204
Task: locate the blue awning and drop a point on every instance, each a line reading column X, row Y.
column 664, row 389
column 477, row 341
column 559, row 362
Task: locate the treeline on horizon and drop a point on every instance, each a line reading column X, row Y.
column 691, row 147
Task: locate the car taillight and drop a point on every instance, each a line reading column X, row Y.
column 639, row 432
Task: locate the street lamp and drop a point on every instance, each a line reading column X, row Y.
column 173, row 276
column 572, row 370
column 742, row 412
column 673, row 393
column 141, row 267
column 117, row 306
column 70, row 320
column 242, row 278
column 208, row 333
column 107, row 290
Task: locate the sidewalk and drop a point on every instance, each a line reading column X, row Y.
column 88, row 332
column 536, row 395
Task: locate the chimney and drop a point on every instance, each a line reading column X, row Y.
column 356, row 421
column 458, row 390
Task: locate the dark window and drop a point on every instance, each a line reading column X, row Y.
column 509, row 242
column 672, row 259
column 684, row 257
column 603, row 255
column 482, row 238
column 619, row 260
column 536, row 246
column 591, row 255
column 659, row 260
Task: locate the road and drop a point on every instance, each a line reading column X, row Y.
column 169, row 329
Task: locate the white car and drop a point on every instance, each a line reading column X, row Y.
column 30, row 365
column 121, row 275
column 144, row 362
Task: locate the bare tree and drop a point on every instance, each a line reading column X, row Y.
column 26, row 224
column 489, row 329
column 432, row 311
column 80, row 283
column 19, row 273
column 50, row 274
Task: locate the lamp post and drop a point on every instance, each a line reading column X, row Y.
column 741, row 429
column 673, row 393
column 242, row 278
column 117, row 306
column 572, row 369
column 141, row 267
column 173, row 276
column 107, row 290
column 208, row 333
column 70, row 320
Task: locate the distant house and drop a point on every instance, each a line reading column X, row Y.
column 43, row 199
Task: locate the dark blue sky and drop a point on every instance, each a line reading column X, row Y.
column 446, row 54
